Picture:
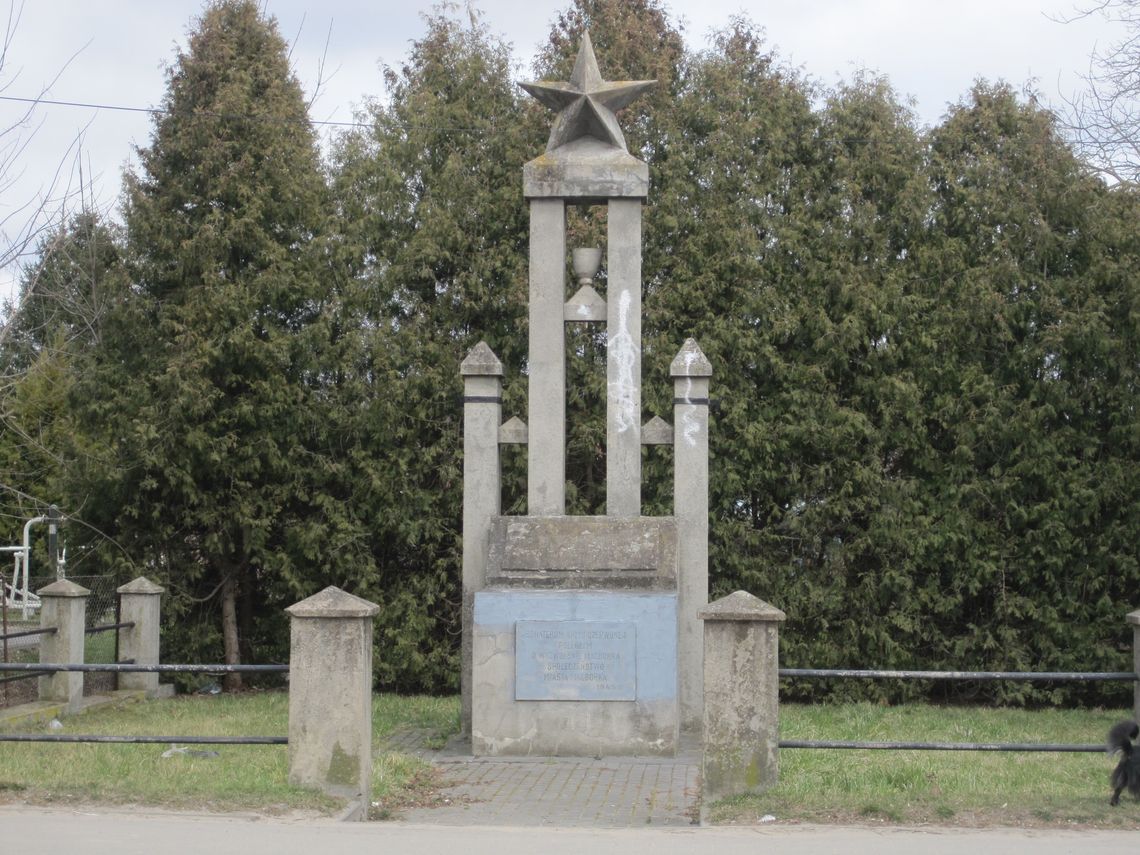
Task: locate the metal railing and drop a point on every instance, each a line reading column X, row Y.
column 49, row 630
column 1029, row 676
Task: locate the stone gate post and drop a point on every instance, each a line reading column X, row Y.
column 742, row 704
column 63, row 605
column 330, row 694
column 139, row 603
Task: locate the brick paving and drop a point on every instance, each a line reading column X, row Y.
column 610, row 792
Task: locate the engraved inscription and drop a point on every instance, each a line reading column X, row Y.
column 575, row 660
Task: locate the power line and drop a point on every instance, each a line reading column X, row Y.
column 157, row 111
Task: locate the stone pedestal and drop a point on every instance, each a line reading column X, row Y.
column 330, row 694
column 575, row 638
column 741, row 715
column 139, row 603
column 63, row 605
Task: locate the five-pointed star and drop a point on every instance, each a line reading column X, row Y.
column 586, row 105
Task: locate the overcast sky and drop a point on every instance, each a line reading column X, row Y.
column 113, row 53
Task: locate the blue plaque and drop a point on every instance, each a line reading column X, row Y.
column 575, row 660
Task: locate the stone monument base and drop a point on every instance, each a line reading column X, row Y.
column 574, row 673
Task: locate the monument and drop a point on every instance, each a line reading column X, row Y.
column 580, row 633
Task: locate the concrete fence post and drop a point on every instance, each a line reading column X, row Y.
column 139, row 603
column 330, row 695
column 1133, row 619
column 742, row 704
column 63, row 605
column 482, row 494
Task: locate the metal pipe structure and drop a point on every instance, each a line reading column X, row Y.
column 24, row 560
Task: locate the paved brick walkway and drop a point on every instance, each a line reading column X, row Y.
column 610, row 792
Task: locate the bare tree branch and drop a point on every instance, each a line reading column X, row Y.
column 1103, row 122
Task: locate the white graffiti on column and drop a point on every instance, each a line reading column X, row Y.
column 624, row 351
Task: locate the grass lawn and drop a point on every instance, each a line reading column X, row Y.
column 944, row 787
column 831, row 786
column 239, row 777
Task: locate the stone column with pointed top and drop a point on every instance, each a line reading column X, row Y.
column 330, row 695
column 691, row 371
column 742, row 704
column 63, row 605
column 482, row 494
column 139, row 603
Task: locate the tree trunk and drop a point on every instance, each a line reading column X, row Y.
column 245, row 612
column 231, row 682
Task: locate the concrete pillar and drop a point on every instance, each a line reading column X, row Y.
column 546, row 407
column 691, row 372
column 623, row 359
column 742, row 704
column 139, row 603
column 1133, row 619
column 63, row 605
column 482, row 495
column 330, row 695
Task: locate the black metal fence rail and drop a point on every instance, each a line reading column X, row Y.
column 109, row 627
column 943, row 746
column 183, row 740
column 1031, row 676
column 131, row 667
column 50, row 630
column 29, row 676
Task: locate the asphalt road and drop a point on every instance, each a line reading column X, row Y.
column 31, row 831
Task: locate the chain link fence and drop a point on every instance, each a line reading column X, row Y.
column 102, row 606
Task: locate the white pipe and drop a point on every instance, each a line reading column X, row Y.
column 27, row 549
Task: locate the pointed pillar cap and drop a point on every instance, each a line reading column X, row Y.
column 690, row 361
column 741, row 606
column 63, row 588
column 481, row 362
column 141, row 585
column 332, row 602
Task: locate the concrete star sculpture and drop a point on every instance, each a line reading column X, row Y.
column 586, row 104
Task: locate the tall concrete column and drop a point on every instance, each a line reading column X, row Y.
column 139, row 603
column 63, row 605
column 623, row 360
column 330, row 695
column 482, row 494
column 546, row 407
column 742, row 696
column 691, row 372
